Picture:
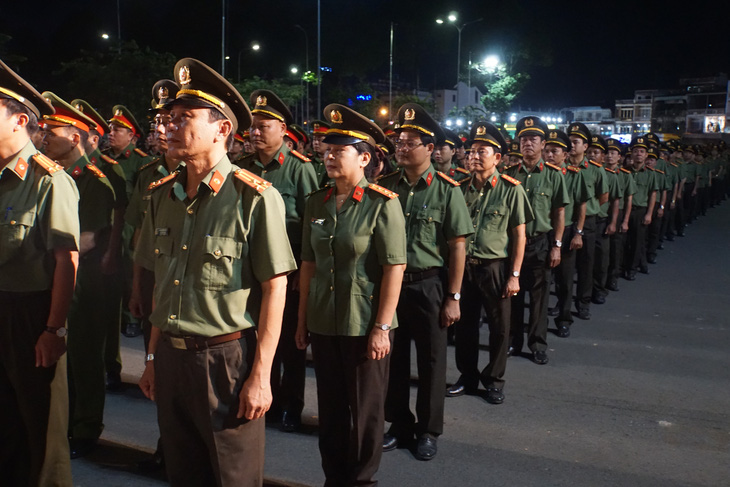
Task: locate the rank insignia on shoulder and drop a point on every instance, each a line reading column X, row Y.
column 108, row 159
column 95, row 170
column 140, row 152
column 623, row 169
column 300, row 156
column 572, row 169
column 382, row 176
column 594, row 163
column 46, row 163
column 608, row 170
column 160, row 182
column 145, row 166
column 256, row 182
column 553, row 166
column 385, row 192
column 446, row 178
column 510, row 179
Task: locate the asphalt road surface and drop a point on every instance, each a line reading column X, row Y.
column 637, row 396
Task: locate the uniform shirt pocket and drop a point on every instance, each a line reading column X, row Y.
column 221, row 263
column 361, row 301
column 13, row 232
column 429, row 221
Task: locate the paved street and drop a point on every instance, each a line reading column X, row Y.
column 637, row 396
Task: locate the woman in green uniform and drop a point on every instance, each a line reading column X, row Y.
column 353, row 258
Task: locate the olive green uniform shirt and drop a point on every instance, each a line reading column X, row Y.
column 39, row 204
column 114, row 172
column 595, row 177
column 578, row 192
column 645, row 184
column 435, row 212
column 148, row 174
column 350, row 248
column 131, row 160
column 96, row 203
column 614, row 191
column 628, row 186
column 210, row 253
column 294, row 179
column 320, row 170
column 690, row 172
column 703, row 170
column 496, row 209
column 546, row 190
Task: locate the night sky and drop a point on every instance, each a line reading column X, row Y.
column 579, row 53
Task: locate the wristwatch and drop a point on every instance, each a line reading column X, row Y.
column 454, row 296
column 558, row 244
column 661, row 207
column 579, row 231
column 515, row 273
column 149, row 358
column 382, row 326
column 60, row 332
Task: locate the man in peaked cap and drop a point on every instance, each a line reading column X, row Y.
column 545, row 187
column 444, row 156
column 124, row 131
column 499, row 210
column 616, row 151
column 292, row 174
column 37, row 271
column 65, row 140
column 319, row 132
column 437, row 223
column 214, row 251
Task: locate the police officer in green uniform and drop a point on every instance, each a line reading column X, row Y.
column 557, row 147
column 65, row 134
column 616, row 152
column 437, row 222
column 444, row 156
column 653, row 233
column 292, row 174
column 39, row 239
column 213, row 247
column 353, row 258
column 642, row 209
column 499, row 210
column 124, row 131
column 548, row 195
column 673, row 170
column 319, row 132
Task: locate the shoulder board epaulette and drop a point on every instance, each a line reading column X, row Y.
column 325, row 187
column 256, row 182
column 659, row 171
column 608, row 170
column 572, row 168
column 383, row 176
column 510, row 179
column 623, row 169
column 673, row 164
column 140, row 152
column 160, row 182
column 108, row 159
column 47, row 163
column 300, row 156
column 462, row 170
column 145, row 166
column 553, row 166
column 446, row 178
column 386, row 192
column 97, row 172
column 595, row 163
column 510, row 167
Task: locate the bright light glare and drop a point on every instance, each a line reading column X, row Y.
column 294, row 70
column 228, row 57
column 449, row 123
column 452, row 17
column 255, row 46
column 494, row 118
column 491, row 61
column 105, row 36
column 383, row 111
column 439, row 21
column 459, row 122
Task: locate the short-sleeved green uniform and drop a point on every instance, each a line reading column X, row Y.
column 148, row 174
column 628, row 186
column 646, row 182
column 131, row 159
column 614, row 191
column 350, row 248
column 578, row 192
column 210, row 253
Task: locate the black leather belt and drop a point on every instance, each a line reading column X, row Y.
column 537, row 238
column 421, row 275
column 191, row 342
column 478, row 261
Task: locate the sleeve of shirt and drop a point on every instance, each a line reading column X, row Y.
column 457, row 222
column 615, row 192
column 630, row 186
column 390, row 234
column 144, row 251
column 582, row 191
column 133, row 215
column 520, row 208
column 307, row 250
column 601, row 182
column 307, row 183
column 270, row 251
column 560, row 196
column 96, row 213
column 655, row 183
column 62, row 209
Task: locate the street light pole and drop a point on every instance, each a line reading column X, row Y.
column 390, row 79
column 119, row 30
column 306, row 63
column 319, row 58
column 459, row 28
column 223, row 38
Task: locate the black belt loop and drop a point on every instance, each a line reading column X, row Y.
column 421, row 275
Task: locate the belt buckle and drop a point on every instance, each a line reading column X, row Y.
column 178, row 343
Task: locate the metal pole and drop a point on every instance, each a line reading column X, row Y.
column 239, row 64
column 119, row 30
column 319, row 59
column 458, row 62
column 306, row 65
column 390, row 82
column 223, row 38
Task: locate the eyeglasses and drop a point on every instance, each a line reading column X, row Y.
column 407, row 144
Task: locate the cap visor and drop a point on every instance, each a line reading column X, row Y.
column 341, row 140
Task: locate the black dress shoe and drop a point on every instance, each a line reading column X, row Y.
column 495, row 396
column 598, row 299
column 290, row 422
column 515, row 347
column 563, row 331
column 426, row 448
column 459, row 389
column 651, row 259
column 133, row 329
column 612, row 285
column 113, row 382
column 554, row 311
column 540, row 357
column 80, row 447
column 584, row 314
column 669, row 237
column 644, row 270
column 153, row 464
column 660, row 246
column 630, row 275
column 390, row 442
column 680, row 234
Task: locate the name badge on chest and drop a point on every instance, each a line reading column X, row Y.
column 162, row 232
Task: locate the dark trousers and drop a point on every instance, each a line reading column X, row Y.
column 534, row 280
column 350, row 396
column 197, row 395
column 584, row 264
column 482, row 289
column 419, row 310
column 669, row 221
column 703, row 200
column 690, row 203
column 564, row 275
column 616, row 254
column 287, row 385
column 33, row 400
column 635, row 252
column 680, row 217
column 601, row 258
column 652, row 234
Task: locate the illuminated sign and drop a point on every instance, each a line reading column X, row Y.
column 714, row 124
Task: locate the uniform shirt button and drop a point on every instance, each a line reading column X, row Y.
column 475, row 226
column 157, row 251
column 12, row 222
column 410, row 194
column 190, row 211
column 528, row 190
column 217, row 253
column 332, row 236
column 332, row 271
column 185, row 247
column 408, row 214
column 173, row 317
column 176, row 282
column 332, row 288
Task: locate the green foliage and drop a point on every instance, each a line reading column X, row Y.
column 502, row 91
column 12, row 60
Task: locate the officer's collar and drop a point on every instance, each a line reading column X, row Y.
column 125, row 154
column 212, row 182
column 279, row 157
column 20, row 164
column 95, row 157
column 77, row 168
column 539, row 166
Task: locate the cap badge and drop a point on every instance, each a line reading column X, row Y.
column 594, row 139
column 261, row 101
column 315, row 126
column 410, row 114
column 184, row 75
column 574, row 128
column 79, row 107
column 481, row 130
column 640, row 140
column 553, row 135
column 118, row 113
column 162, row 92
column 336, row 116
column 529, row 122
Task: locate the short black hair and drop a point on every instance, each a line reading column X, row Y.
column 428, row 139
column 14, row 107
column 214, row 116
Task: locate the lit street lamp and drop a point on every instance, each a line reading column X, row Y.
column 255, row 46
column 452, row 18
column 105, row 36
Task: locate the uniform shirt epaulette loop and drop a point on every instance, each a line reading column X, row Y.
column 383, row 176
column 257, row 183
column 95, row 170
column 323, row 188
column 510, row 167
column 462, row 170
column 108, row 159
column 659, row 171
column 300, row 156
column 156, row 160
column 572, row 168
column 595, row 163
column 553, row 166
column 140, row 152
column 511, row 179
column 608, row 170
column 160, row 182
column 385, row 192
column 446, row 178
column 625, row 170
column 673, row 164
column 47, row 163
